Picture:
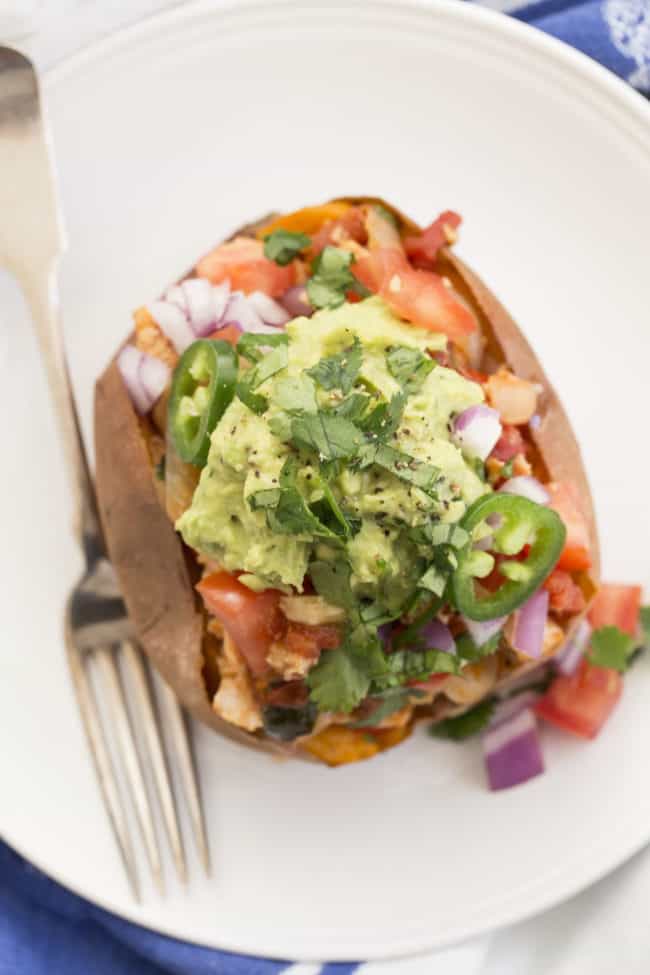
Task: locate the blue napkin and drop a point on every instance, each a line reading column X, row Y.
column 46, row 930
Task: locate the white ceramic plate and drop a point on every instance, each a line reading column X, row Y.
column 168, row 136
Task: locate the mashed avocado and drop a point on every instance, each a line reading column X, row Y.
column 349, row 457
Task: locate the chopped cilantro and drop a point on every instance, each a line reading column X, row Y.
column 339, row 371
column 384, row 419
column 332, row 278
column 282, row 246
column 353, row 407
column 264, row 499
column 408, row 665
column 410, row 367
column 467, row 724
column 342, row 677
column 331, row 580
column 330, row 512
column 468, row 650
column 330, row 436
column 611, row 647
column 402, row 465
column 252, row 344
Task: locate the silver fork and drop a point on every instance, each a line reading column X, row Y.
column 97, row 629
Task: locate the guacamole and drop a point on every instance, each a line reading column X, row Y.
column 341, row 456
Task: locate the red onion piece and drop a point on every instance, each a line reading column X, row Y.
column 476, row 430
column 296, row 302
column 176, row 296
column 385, row 633
column 438, row 637
column 154, row 376
column 128, row 362
column 220, row 296
column 200, row 305
column 145, row 377
column 174, row 324
column 526, row 487
column 270, row 311
column 568, row 657
column 512, row 706
column 481, row 632
column 240, row 312
column 512, row 751
column 530, row 621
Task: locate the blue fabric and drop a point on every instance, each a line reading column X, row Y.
column 46, row 930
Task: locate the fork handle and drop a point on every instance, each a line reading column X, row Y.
column 40, row 287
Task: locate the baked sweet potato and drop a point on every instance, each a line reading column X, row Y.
column 158, row 573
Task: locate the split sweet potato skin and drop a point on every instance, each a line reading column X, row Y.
column 157, row 573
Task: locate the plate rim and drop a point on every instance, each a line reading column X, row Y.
column 599, row 79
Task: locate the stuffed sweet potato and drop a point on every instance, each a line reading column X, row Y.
column 338, row 490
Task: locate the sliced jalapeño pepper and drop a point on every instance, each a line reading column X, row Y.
column 516, row 524
column 203, row 386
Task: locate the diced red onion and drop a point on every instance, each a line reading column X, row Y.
column 437, row 636
column 530, row 620
column 173, row 322
column 200, row 305
column 176, row 295
column 511, row 706
column 240, row 312
column 568, row 658
column 385, row 632
column 534, row 674
column 526, row 487
column 145, row 377
column 154, row 375
column 270, row 311
column 482, row 631
column 476, row 430
column 296, row 302
column 512, row 751
column 220, row 296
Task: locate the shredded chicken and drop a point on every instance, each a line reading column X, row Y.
column 288, row 663
column 235, row 701
column 474, row 682
column 515, row 399
column 311, row 610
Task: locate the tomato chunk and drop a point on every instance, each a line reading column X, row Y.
column 565, row 500
column 241, row 261
column 583, row 702
column 421, row 297
column 509, row 444
column 423, row 248
column 350, row 226
column 565, row 595
column 616, row 605
column 253, row 619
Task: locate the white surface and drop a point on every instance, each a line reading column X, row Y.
column 143, row 151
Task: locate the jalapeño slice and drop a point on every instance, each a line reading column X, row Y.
column 202, row 388
column 517, row 525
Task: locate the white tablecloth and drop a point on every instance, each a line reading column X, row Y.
column 604, row 931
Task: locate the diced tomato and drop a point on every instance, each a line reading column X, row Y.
column 241, row 261
column 582, row 703
column 253, row 619
column 565, row 595
column 421, row 297
column 565, row 500
column 509, row 444
column 350, row 226
column 423, row 248
column 616, row 605
column 308, row 641
column 229, row 333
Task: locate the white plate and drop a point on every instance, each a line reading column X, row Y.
column 168, row 136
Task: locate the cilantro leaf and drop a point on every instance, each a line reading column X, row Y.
column 330, row 436
column 385, row 418
column 264, row 499
column 292, row 516
column 296, row 394
column 402, row 465
column 409, row 367
column 468, row 650
column 251, row 345
column 332, row 278
column 331, row 580
column 353, row 407
column 611, row 647
column 342, row 677
column 339, row 371
column 330, row 510
column 408, row 665
column 266, row 366
column 282, row 246
column 465, row 725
